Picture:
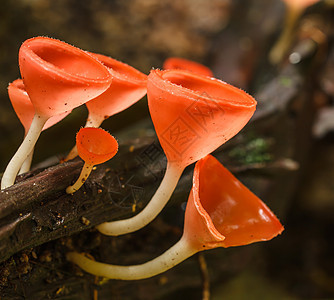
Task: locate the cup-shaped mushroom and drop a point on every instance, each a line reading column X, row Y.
column 57, row 77
column 221, row 212
column 193, row 115
column 199, row 113
column 25, row 112
column 188, row 65
column 128, row 87
column 95, row 146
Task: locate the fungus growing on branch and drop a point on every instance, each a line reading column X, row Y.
column 221, row 212
column 128, row 87
column 193, row 115
column 57, row 77
column 95, row 146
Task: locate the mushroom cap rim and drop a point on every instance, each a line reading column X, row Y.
column 172, row 88
column 53, row 69
column 121, row 76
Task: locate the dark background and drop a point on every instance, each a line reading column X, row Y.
column 233, row 38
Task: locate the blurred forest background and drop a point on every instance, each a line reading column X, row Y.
column 290, row 141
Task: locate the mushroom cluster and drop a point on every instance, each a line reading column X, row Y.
column 200, row 113
column 56, row 78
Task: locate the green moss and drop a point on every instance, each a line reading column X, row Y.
column 285, row 81
column 256, row 150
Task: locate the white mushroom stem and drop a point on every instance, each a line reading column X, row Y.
column 23, row 152
column 173, row 256
column 27, row 163
column 92, row 121
column 152, row 209
column 86, row 170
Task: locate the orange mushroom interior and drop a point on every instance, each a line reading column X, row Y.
column 95, row 145
column 235, row 211
column 208, row 87
column 66, row 59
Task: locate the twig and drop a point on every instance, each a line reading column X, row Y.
column 205, row 276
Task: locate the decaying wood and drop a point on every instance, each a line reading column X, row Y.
column 38, row 206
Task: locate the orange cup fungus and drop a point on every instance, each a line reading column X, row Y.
column 57, row 77
column 95, row 146
column 128, row 87
column 192, row 115
column 199, row 113
column 222, row 212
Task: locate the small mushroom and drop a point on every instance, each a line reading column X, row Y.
column 57, row 77
column 95, row 146
column 188, row 65
column 294, row 9
column 128, row 87
column 221, row 212
column 25, row 112
column 193, row 115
